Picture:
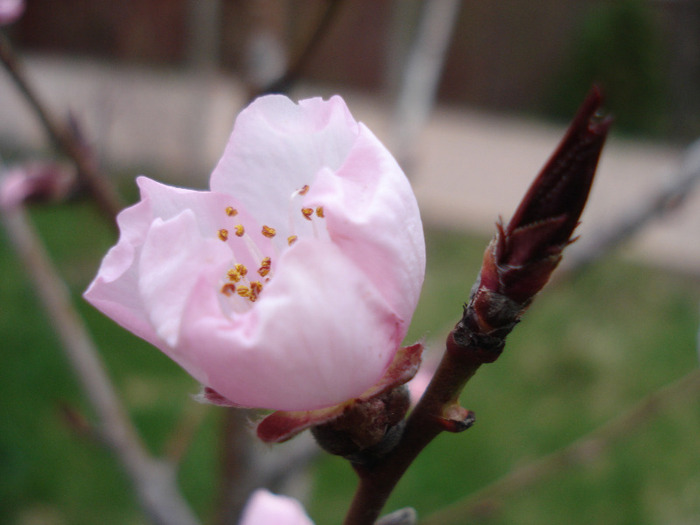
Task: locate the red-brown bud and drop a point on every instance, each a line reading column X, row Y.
column 368, row 429
column 522, row 256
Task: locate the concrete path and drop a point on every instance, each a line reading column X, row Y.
column 468, row 167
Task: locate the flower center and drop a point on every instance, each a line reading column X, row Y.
column 243, row 284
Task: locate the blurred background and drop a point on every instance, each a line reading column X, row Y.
column 472, row 97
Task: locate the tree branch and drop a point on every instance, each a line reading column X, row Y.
column 517, row 264
column 66, row 138
column 667, row 200
column 153, row 480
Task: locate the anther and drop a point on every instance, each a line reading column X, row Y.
column 304, row 190
column 307, row 213
column 292, row 239
column 234, row 275
column 319, row 211
column 231, row 211
column 268, row 232
column 264, row 267
column 228, row 289
column 241, row 269
column 223, row 234
column 256, row 287
column 240, row 230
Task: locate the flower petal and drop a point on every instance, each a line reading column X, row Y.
column 114, row 291
column 277, row 147
column 373, row 216
column 369, row 205
column 265, row 508
column 332, row 296
column 319, row 335
column 173, row 259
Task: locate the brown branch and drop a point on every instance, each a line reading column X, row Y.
column 153, row 480
column 237, row 462
column 583, row 451
column 247, row 464
column 65, row 137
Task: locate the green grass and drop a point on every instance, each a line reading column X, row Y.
column 586, row 351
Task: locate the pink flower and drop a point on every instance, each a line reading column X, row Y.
column 35, row 181
column 10, row 10
column 265, row 508
column 291, row 284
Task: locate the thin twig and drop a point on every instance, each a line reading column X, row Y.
column 153, row 480
column 583, row 451
column 237, row 458
column 183, row 433
column 295, row 70
column 247, row 464
column 65, row 137
column 666, row 200
column 277, row 473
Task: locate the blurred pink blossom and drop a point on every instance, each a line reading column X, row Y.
column 291, row 284
column 10, row 10
column 35, row 181
column 265, row 508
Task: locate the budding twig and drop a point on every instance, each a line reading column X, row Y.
column 517, row 264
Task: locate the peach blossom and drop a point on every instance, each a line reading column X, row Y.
column 291, row 283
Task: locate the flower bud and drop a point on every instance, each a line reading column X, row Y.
column 367, row 429
column 522, row 256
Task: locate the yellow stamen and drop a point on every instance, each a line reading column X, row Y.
column 231, row 211
column 243, row 291
column 268, row 232
column 228, row 289
column 292, row 239
column 234, row 275
column 240, row 230
column 304, row 190
column 307, row 212
column 256, row 287
column 223, row 234
column 241, row 269
column 319, row 211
